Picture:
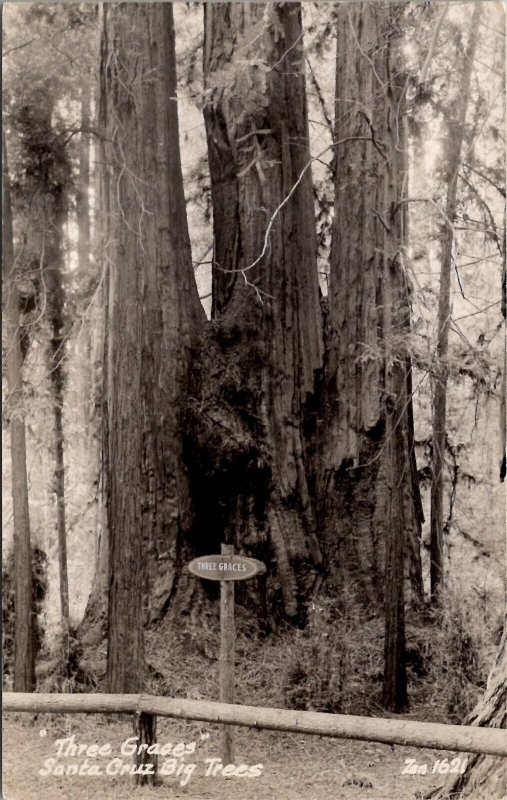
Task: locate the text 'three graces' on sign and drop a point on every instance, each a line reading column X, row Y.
column 226, row 568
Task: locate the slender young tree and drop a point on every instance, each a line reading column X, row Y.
column 503, row 387
column 83, row 218
column 41, row 197
column 53, row 189
column 93, row 625
column 24, row 649
column 455, row 138
column 56, row 358
column 83, row 183
column 48, row 180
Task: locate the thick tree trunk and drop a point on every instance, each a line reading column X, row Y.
column 173, row 322
column 455, row 127
column 24, row 644
column 125, row 658
column 485, row 776
column 369, row 305
column 154, row 313
column 154, row 316
column 267, row 319
column 368, row 494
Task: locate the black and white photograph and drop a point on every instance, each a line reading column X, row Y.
column 254, row 400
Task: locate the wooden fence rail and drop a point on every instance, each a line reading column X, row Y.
column 436, row 736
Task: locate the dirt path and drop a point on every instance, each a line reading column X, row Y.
column 294, row 767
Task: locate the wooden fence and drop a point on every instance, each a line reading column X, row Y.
column 463, row 738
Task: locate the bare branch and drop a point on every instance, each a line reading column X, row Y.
column 289, row 195
column 434, row 39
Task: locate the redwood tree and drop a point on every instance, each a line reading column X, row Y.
column 455, row 138
column 53, row 187
column 46, row 181
column 24, row 646
column 265, row 290
column 153, row 315
column 215, row 431
column 367, row 487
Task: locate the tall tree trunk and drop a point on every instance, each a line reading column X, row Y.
column 24, row 645
column 123, row 249
column 125, row 658
column 83, row 189
column 84, row 252
column 503, row 386
column 456, row 136
column 92, row 628
column 56, row 359
column 368, row 494
column 154, row 315
column 267, row 317
column 173, row 321
column 52, row 187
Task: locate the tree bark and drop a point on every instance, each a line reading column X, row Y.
column 173, row 322
column 84, row 261
column 503, row 385
column 93, row 625
column 24, row 644
column 367, row 486
column 53, row 270
column 266, row 313
column 92, row 628
column 456, row 136
column 59, row 482
column 153, row 318
column 51, row 184
column 83, row 189
column 125, row 658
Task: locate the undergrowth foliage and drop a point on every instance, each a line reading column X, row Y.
column 56, row 672
column 40, row 587
column 335, row 664
column 319, row 675
column 454, row 648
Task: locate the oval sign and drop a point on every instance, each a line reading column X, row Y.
column 226, row 568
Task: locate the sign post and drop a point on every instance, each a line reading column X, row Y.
column 227, row 654
column 226, row 568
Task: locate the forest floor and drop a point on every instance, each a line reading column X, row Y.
column 294, row 767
